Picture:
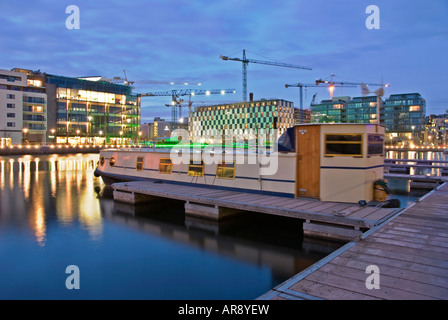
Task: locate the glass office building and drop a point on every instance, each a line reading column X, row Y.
column 401, row 114
column 244, row 119
column 404, row 113
column 330, row 111
column 94, row 111
column 362, row 110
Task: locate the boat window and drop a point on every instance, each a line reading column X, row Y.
column 375, row 144
column 165, row 165
column 225, row 170
column 112, row 161
column 102, row 160
column 343, row 145
column 139, row 165
column 196, row 168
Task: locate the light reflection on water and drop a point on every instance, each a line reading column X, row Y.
column 51, row 216
column 33, row 181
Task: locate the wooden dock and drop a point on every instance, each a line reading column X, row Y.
column 321, row 219
column 410, row 251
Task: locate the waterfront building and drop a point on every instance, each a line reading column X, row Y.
column 45, row 108
column 362, row 110
column 404, row 114
column 160, row 129
column 243, row 119
column 436, row 129
column 23, row 106
column 306, row 116
column 90, row 110
column 330, row 111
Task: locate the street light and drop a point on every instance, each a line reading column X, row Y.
column 25, row 131
column 121, row 137
column 52, row 133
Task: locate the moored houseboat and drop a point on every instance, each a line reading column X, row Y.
column 329, row 162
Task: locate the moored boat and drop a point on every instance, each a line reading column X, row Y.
column 329, row 162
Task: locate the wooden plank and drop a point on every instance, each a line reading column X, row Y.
column 404, row 254
column 388, row 262
column 325, row 207
column 308, row 206
column 329, row 292
column 350, row 282
column 299, row 202
column 379, row 214
column 405, row 288
column 394, row 272
column 286, row 202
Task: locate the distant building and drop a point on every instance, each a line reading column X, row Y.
column 90, row 110
column 40, row 107
column 402, row 114
column 362, row 110
column 244, row 119
column 23, row 106
column 306, row 116
column 328, row 111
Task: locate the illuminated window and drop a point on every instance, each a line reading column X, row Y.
column 338, row 106
column 102, row 160
column 225, row 170
column 343, row 145
column 196, row 169
column 112, row 161
column 165, row 165
column 414, row 108
column 139, row 165
column 34, row 83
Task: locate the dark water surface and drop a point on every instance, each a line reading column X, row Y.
column 55, row 213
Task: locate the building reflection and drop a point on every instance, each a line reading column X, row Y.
column 37, row 190
column 269, row 242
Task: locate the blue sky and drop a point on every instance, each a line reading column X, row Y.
column 180, row 40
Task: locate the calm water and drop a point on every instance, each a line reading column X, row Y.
column 401, row 188
column 55, row 213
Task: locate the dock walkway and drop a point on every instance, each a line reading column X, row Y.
column 326, row 219
column 410, row 251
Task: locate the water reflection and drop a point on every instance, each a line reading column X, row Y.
column 266, row 241
column 419, row 155
column 32, row 186
column 54, row 212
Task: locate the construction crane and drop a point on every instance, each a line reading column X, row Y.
column 246, row 61
column 126, row 82
column 332, row 84
column 307, row 85
column 176, row 94
column 365, row 91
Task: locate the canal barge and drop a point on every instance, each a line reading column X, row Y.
column 328, row 162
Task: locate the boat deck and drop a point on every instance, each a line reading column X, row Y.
column 410, row 251
column 351, row 219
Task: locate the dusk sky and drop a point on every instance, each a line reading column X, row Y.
column 175, row 40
